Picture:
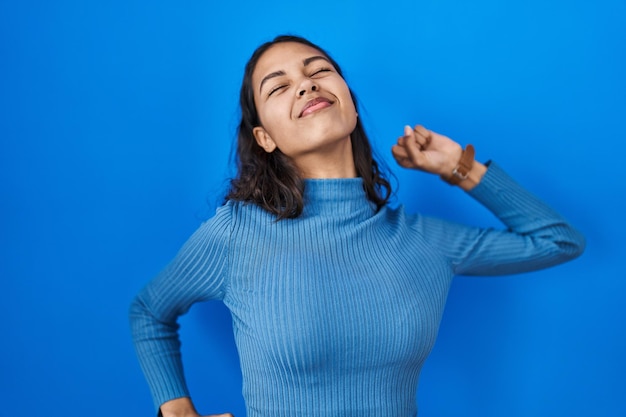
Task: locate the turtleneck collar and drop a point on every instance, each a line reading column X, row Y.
column 336, row 197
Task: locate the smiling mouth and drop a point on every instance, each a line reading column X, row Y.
column 314, row 105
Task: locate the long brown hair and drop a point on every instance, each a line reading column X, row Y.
column 271, row 180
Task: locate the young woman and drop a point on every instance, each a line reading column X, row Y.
column 336, row 298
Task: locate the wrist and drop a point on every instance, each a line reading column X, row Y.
column 179, row 407
column 467, row 173
column 474, row 176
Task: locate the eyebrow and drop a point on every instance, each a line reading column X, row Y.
column 280, row 73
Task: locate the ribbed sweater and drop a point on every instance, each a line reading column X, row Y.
column 334, row 312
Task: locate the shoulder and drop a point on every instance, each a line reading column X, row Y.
column 212, row 232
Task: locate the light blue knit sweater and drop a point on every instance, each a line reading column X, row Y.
column 335, row 312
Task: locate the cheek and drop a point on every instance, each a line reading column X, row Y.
column 274, row 115
column 346, row 97
column 273, row 124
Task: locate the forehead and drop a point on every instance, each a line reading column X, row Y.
column 280, row 57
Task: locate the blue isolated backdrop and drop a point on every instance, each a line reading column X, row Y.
column 116, row 125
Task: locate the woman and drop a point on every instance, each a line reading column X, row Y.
column 336, row 299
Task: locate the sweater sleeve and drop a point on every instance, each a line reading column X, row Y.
column 197, row 273
column 535, row 236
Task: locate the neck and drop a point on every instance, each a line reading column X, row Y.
column 337, row 199
column 335, row 162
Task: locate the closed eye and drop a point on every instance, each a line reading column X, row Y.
column 319, row 71
column 277, row 88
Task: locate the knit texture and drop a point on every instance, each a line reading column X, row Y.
column 335, row 312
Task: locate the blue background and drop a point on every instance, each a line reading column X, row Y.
column 116, row 125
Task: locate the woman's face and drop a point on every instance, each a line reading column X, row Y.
column 303, row 104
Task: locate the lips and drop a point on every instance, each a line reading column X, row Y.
column 313, row 105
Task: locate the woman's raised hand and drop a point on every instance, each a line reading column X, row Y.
column 423, row 149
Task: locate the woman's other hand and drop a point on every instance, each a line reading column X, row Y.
column 183, row 407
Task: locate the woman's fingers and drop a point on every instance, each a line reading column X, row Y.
column 401, row 156
column 422, row 135
column 413, row 147
column 413, row 135
column 405, row 150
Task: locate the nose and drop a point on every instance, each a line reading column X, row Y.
column 312, row 86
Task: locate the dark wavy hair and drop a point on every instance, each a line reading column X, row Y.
column 271, row 180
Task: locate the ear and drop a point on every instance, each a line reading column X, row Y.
column 264, row 139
